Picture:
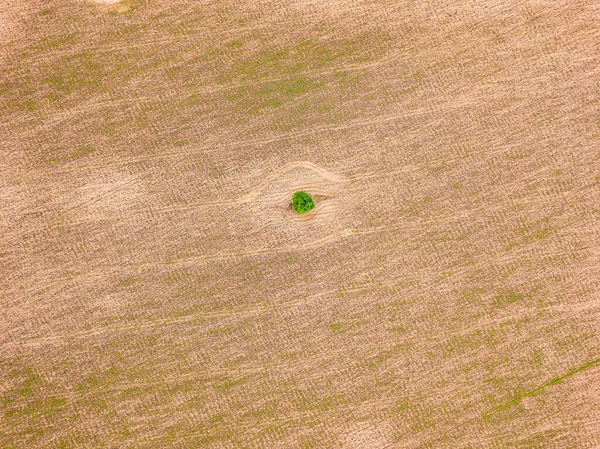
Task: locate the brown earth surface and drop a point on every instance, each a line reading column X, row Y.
column 157, row 290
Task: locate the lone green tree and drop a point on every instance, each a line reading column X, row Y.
column 302, row 202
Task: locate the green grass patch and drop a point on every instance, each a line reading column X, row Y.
column 30, row 105
column 397, row 329
column 290, row 259
column 226, row 384
column 530, row 233
column 508, row 298
column 378, row 359
column 29, row 384
column 82, row 152
column 235, row 44
column 272, row 94
column 90, row 383
column 521, row 395
column 275, row 77
column 335, row 326
column 79, row 153
column 302, row 202
column 76, row 72
column 126, row 282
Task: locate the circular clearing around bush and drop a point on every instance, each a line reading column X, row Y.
column 302, row 202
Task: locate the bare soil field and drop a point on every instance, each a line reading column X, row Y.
column 157, row 290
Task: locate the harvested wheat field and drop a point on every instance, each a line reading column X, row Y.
column 157, row 290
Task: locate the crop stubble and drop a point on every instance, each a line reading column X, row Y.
column 157, row 291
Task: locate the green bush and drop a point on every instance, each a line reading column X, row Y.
column 302, row 202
